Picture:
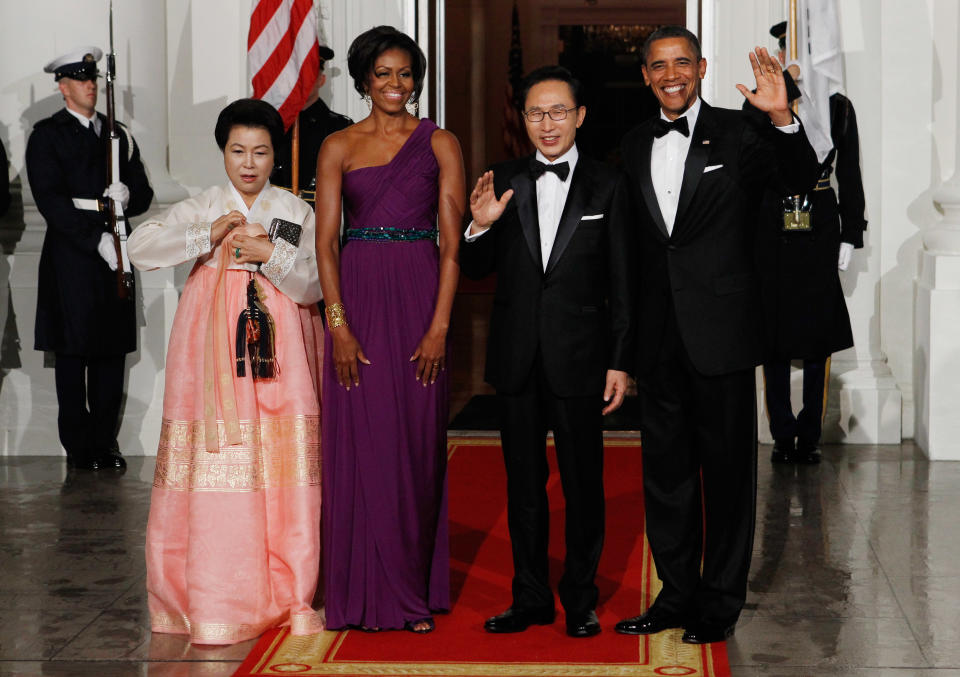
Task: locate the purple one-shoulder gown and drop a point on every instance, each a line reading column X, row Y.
column 386, row 551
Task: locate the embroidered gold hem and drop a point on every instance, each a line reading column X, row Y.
column 231, row 633
column 273, row 452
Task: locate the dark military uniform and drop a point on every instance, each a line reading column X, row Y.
column 79, row 314
column 317, row 122
column 4, row 182
column 805, row 313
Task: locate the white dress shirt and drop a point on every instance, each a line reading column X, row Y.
column 551, row 198
column 87, row 122
column 668, row 158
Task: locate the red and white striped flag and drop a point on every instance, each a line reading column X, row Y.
column 515, row 139
column 282, row 54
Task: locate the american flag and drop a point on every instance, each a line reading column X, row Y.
column 515, row 140
column 282, row 54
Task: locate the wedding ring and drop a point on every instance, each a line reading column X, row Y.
column 236, row 252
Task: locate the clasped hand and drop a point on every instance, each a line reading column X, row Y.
column 248, row 243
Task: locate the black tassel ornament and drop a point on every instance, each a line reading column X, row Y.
column 256, row 337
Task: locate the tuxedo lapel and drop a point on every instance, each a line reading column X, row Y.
column 644, row 150
column 573, row 211
column 696, row 161
column 524, row 192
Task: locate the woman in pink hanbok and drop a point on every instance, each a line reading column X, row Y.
column 233, row 538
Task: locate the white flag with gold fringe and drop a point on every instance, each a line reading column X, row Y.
column 819, row 55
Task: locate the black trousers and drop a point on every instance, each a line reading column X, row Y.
column 89, row 394
column 807, row 425
column 577, row 427
column 699, row 480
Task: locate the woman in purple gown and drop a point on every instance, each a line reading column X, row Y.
column 389, row 291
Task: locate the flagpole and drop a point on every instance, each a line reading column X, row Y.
column 295, row 157
column 792, row 24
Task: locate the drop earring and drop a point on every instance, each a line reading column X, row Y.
column 413, row 108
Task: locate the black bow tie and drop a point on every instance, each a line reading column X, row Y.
column 661, row 127
column 537, row 168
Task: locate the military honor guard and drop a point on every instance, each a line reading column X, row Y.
column 810, row 239
column 316, row 123
column 81, row 317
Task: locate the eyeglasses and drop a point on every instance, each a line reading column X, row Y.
column 556, row 114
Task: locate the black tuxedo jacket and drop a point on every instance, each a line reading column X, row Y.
column 704, row 272
column 577, row 312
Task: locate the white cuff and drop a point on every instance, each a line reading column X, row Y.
column 198, row 239
column 792, row 128
column 280, row 262
column 470, row 236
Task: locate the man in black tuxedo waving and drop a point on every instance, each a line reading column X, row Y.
column 693, row 178
column 560, row 340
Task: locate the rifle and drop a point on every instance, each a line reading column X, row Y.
column 117, row 220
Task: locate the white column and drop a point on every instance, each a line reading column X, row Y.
column 937, row 316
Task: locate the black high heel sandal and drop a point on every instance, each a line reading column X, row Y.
column 411, row 626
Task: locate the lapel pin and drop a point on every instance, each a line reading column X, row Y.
column 706, row 142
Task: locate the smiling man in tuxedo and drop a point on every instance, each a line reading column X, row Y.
column 559, row 344
column 694, row 176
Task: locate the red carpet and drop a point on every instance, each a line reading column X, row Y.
column 481, row 571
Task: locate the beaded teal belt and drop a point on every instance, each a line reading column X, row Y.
column 390, row 234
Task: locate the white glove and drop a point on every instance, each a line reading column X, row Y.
column 107, row 251
column 118, row 192
column 846, row 251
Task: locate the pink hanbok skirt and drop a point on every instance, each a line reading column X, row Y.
column 233, row 538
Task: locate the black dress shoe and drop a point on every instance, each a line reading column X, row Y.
column 518, row 620
column 654, row 621
column 707, row 633
column 84, row 462
column 583, row 624
column 113, row 459
column 783, row 451
column 807, row 454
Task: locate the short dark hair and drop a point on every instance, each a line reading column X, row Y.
column 249, row 113
column 365, row 49
column 543, row 74
column 670, row 32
